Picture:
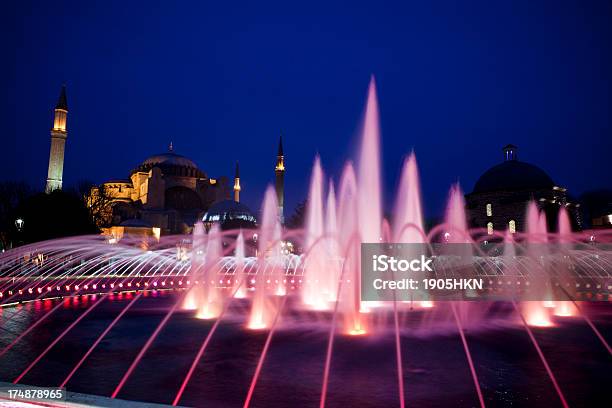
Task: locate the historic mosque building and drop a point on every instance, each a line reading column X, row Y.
column 499, row 199
column 167, row 192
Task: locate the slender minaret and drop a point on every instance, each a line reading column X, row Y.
column 237, row 184
column 279, row 170
column 58, row 143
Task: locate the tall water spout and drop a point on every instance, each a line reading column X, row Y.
column 240, row 277
column 332, row 248
column 370, row 201
column 542, row 228
column 457, row 233
column 349, row 238
column 196, row 271
column 456, row 221
column 564, row 308
column 532, row 223
column 209, row 305
column 315, row 273
column 408, row 223
column 511, row 267
column 565, row 226
column 536, row 313
column 279, row 268
column 262, row 310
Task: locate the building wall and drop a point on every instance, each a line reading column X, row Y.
column 512, row 205
column 148, row 190
column 119, row 190
column 156, row 187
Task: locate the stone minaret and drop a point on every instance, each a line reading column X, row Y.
column 58, row 143
column 279, row 170
column 237, row 184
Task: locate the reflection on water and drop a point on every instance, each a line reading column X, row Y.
column 363, row 368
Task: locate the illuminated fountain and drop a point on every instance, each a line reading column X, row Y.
column 263, row 309
column 316, row 287
column 214, row 279
column 240, row 277
column 204, row 295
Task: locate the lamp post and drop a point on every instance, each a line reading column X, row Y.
column 19, row 226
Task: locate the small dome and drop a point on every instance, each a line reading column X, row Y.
column 171, row 159
column 513, row 175
column 229, row 210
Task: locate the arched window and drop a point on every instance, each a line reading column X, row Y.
column 512, row 226
column 490, row 228
column 489, row 210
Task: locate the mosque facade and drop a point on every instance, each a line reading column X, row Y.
column 166, row 192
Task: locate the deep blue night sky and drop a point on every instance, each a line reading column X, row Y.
column 456, row 80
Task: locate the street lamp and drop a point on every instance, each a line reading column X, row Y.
column 19, row 224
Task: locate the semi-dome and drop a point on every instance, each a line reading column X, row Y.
column 229, row 210
column 513, row 175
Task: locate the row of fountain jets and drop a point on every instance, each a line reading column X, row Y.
column 336, row 225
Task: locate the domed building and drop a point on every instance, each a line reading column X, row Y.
column 167, row 191
column 499, row 199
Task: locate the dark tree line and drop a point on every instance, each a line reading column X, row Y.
column 27, row 216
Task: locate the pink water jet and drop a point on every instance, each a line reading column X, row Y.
column 332, row 248
column 542, row 228
column 533, row 224
column 278, row 267
column 510, row 266
column 262, row 308
column 240, row 277
column 565, row 227
column 196, row 272
column 209, row 305
column 565, row 308
column 369, row 190
column 349, row 299
column 536, row 314
column 455, row 220
column 408, row 225
column 315, row 292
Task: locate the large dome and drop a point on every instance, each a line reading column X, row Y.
column 171, row 159
column 172, row 164
column 229, row 210
column 513, row 175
